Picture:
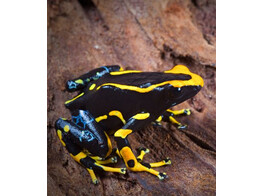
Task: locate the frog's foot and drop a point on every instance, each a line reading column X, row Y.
column 137, row 165
column 106, row 161
column 169, row 116
column 144, row 151
column 104, row 168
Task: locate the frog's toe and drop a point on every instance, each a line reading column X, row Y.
column 187, row 111
column 95, row 182
column 162, row 176
column 182, row 127
column 114, row 159
column 123, row 171
column 157, row 124
column 167, row 161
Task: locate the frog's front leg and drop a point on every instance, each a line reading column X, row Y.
column 80, row 82
column 169, row 116
column 125, row 150
column 81, row 143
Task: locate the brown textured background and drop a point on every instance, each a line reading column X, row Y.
column 152, row 35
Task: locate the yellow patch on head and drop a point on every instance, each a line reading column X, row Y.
column 182, row 69
column 179, row 69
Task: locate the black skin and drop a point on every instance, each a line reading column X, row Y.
column 129, row 102
column 86, row 133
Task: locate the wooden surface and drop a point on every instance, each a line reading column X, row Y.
column 151, row 35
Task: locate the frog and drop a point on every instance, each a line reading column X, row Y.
column 113, row 102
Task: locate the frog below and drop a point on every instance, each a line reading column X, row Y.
column 118, row 102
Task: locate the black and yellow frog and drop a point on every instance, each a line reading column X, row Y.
column 118, row 102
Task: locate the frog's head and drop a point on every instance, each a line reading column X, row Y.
column 187, row 86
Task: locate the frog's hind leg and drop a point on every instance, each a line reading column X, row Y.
column 169, row 116
column 125, row 151
column 144, row 151
column 63, row 129
column 83, row 80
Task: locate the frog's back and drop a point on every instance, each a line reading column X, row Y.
column 139, row 79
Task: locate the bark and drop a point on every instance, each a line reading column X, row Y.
column 145, row 35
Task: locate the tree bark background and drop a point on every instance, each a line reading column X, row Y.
column 152, row 35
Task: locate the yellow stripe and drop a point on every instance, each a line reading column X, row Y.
column 181, row 69
column 194, row 81
column 175, row 83
column 123, row 133
column 109, row 144
column 74, row 98
column 141, row 116
column 117, row 114
column 159, row 119
column 59, row 133
column 98, row 119
column 124, row 72
column 79, row 156
column 92, row 87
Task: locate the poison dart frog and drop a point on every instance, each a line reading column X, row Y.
column 115, row 102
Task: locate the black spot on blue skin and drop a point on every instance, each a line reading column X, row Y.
column 131, row 163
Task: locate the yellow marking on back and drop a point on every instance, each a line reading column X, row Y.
column 74, row 98
column 66, row 128
column 59, row 133
column 123, row 133
column 117, row 114
column 99, row 118
column 79, row 156
column 141, row 116
column 92, row 87
column 79, row 81
column 194, row 81
column 124, row 72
